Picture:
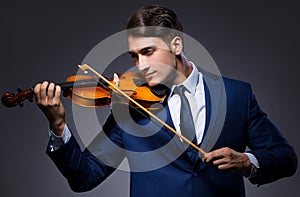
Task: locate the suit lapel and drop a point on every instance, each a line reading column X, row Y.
column 215, row 98
column 179, row 143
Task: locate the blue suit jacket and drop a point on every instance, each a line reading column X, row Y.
column 162, row 166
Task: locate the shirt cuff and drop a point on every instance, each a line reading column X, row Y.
column 253, row 159
column 57, row 142
column 254, row 166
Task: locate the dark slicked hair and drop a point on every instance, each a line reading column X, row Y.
column 154, row 21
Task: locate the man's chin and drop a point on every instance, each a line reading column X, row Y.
column 153, row 83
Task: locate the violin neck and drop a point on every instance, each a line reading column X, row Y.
column 82, row 83
column 11, row 100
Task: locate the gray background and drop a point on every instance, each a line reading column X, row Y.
column 254, row 41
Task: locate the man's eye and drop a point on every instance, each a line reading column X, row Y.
column 148, row 51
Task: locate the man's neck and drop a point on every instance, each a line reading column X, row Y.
column 184, row 68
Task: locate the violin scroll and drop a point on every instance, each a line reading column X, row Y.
column 11, row 100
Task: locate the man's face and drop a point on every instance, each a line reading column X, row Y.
column 153, row 58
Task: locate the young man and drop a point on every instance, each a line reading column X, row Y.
column 174, row 170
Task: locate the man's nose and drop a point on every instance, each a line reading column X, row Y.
column 143, row 64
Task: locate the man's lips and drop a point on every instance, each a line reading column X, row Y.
column 149, row 75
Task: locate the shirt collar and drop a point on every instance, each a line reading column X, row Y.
column 191, row 82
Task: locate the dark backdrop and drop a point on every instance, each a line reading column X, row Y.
column 254, row 41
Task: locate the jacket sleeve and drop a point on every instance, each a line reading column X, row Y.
column 276, row 157
column 84, row 170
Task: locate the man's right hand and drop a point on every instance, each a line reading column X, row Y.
column 47, row 96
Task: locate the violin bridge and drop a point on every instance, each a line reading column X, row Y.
column 116, row 79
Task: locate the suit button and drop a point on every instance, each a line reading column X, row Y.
column 195, row 175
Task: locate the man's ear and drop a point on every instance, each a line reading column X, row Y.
column 176, row 45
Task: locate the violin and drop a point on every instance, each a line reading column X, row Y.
column 88, row 92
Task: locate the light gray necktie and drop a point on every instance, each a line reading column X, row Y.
column 186, row 119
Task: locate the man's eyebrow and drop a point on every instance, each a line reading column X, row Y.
column 141, row 50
